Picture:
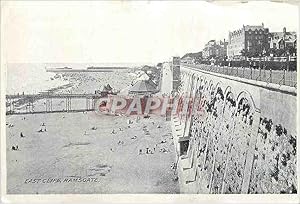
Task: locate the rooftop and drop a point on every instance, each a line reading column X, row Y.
column 253, row 27
column 145, row 86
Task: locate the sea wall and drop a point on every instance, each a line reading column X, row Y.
column 244, row 141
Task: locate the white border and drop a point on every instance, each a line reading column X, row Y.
column 136, row 198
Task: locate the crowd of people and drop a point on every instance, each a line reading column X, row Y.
column 147, row 148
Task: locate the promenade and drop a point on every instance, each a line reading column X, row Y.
column 281, row 77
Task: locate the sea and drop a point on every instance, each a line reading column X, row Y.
column 32, row 78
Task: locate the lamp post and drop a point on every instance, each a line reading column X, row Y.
column 264, row 61
column 288, row 61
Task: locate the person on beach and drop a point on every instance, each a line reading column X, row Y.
column 21, row 134
column 15, row 148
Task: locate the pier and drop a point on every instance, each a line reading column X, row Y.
column 88, row 69
column 15, row 101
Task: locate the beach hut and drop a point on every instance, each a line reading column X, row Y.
column 143, row 87
column 107, row 89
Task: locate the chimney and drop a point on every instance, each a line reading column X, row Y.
column 284, row 30
column 262, row 24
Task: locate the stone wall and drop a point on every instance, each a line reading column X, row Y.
column 244, row 140
column 176, row 75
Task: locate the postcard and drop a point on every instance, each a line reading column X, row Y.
column 149, row 101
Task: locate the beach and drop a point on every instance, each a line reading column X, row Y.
column 82, row 145
column 86, row 152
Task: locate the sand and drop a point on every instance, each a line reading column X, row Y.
column 78, row 153
column 71, row 148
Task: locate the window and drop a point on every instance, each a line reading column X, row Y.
column 184, row 145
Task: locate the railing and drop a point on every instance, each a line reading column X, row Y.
column 25, row 103
column 53, row 95
column 276, row 59
column 281, row 77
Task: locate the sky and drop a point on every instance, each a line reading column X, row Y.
column 126, row 32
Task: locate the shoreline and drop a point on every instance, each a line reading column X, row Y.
column 84, row 83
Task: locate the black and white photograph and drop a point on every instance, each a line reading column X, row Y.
column 149, row 97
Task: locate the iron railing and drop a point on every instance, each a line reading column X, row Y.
column 281, row 77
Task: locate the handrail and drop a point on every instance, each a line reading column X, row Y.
column 276, row 76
